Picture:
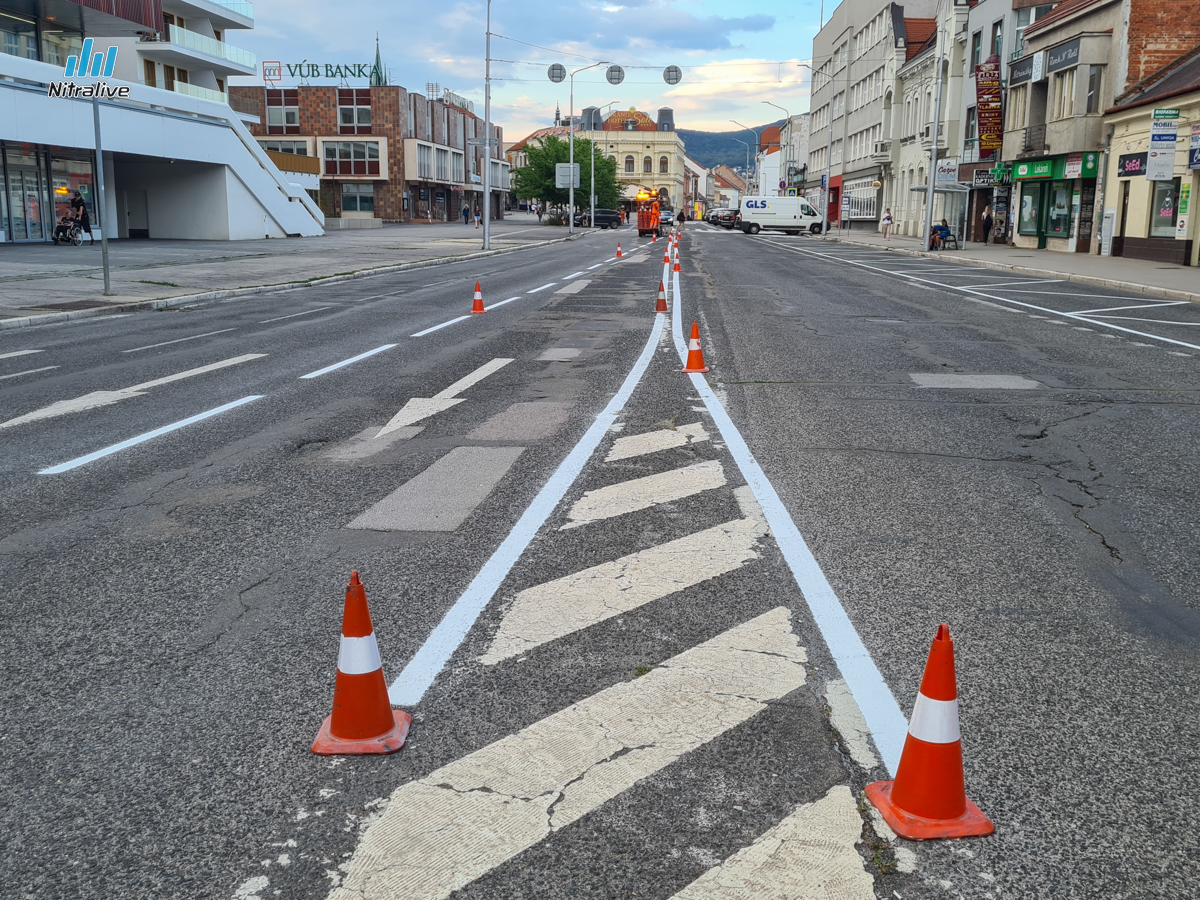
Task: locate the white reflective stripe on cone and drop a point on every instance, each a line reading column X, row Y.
column 934, row 721
column 359, row 655
column 694, row 344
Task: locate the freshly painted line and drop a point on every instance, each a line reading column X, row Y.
column 346, row 362
column 194, row 337
column 596, row 266
column 1010, row 283
column 418, row 408
column 19, row 353
column 565, row 605
column 307, row 312
column 429, row 660
column 501, row 303
column 149, row 435
column 28, row 372
column 573, row 275
column 642, row 493
column 1107, row 309
column 438, row 327
column 874, row 697
column 472, row 379
column 443, row 831
column 654, row 441
column 542, row 288
column 1092, row 316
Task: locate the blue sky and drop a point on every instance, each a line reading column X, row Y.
column 733, row 55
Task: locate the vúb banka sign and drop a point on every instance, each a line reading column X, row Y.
column 274, row 71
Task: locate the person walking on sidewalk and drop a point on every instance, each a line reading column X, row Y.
column 466, row 214
column 987, row 224
column 886, row 221
column 80, row 211
column 476, row 215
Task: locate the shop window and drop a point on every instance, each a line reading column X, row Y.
column 1031, row 209
column 629, row 165
column 18, row 37
column 354, row 111
column 283, row 111
column 1164, row 209
column 1058, row 213
column 1064, row 94
column 1095, row 83
column 58, row 45
column 352, row 158
column 647, row 166
column 664, row 166
column 358, row 198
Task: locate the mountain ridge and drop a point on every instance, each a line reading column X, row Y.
column 714, row 148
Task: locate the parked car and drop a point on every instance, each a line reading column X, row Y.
column 712, row 215
column 667, row 218
column 605, row 218
column 729, row 218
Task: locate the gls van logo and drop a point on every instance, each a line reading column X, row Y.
column 77, row 66
column 756, row 204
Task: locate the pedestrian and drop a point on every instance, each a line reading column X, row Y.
column 886, row 222
column 80, row 211
column 476, row 215
column 466, row 214
column 987, row 224
column 540, row 209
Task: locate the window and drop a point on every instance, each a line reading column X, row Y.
column 424, row 161
column 358, row 198
column 664, row 167
column 970, row 129
column 1018, row 102
column 442, row 155
column 1095, row 83
column 355, row 158
column 998, row 37
column 298, row 148
column 58, row 45
column 457, row 167
column 168, row 77
column 629, row 165
column 1058, row 216
column 647, row 166
column 1164, row 211
column 631, row 124
column 150, row 79
column 18, row 37
column 283, row 111
column 976, row 48
column 1064, row 94
column 354, row 110
column 1031, row 209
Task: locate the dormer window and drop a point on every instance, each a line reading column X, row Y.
column 631, row 124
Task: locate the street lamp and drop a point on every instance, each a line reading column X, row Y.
column 787, row 120
column 740, row 141
column 571, row 119
column 756, row 147
column 828, row 152
column 487, row 132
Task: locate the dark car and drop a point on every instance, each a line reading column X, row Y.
column 605, row 218
column 729, row 218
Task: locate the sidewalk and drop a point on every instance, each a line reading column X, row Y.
column 1135, row 275
column 43, row 281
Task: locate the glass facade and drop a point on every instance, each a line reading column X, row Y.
column 1058, row 212
column 1164, row 208
column 38, row 186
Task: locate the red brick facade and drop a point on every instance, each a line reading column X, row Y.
column 1160, row 31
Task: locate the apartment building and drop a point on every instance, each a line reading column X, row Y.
column 793, row 147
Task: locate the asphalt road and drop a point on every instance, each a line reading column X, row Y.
column 174, row 603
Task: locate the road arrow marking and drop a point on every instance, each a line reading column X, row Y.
column 418, row 408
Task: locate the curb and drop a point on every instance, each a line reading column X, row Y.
column 172, row 302
column 1168, row 293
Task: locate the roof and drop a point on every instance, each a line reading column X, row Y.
column 539, row 135
column 1182, row 76
column 721, row 182
column 616, row 121
column 1061, row 11
column 917, row 33
column 769, row 136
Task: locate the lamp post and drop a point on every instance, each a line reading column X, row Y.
column 756, row 146
column 592, row 172
column 740, row 141
column 828, row 152
column 937, row 119
column 787, row 121
column 487, row 132
column 571, row 117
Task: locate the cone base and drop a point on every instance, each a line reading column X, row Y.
column 699, row 371
column 388, row 742
column 972, row 823
column 478, row 312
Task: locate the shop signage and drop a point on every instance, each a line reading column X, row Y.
column 1194, row 148
column 1181, row 222
column 1020, row 71
column 1074, row 165
column 1160, row 159
column 1039, row 66
column 984, row 178
column 1063, row 56
column 273, row 71
column 101, row 66
column 453, row 99
column 987, row 105
column 1131, row 164
column 1036, row 168
column 947, row 170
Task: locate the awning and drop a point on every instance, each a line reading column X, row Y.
column 945, row 187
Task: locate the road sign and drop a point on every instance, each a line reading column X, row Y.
column 792, row 192
column 562, row 175
column 615, row 74
column 672, row 75
column 782, row 185
column 556, row 72
column 824, row 181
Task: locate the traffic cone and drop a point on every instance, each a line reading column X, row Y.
column 676, row 261
column 478, row 306
column 363, row 720
column 928, row 799
column 654, row 238
column 667, row 254
column 695, row 360
column 618, row 249
column 661, row 305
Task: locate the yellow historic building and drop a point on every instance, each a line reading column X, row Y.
column 648, row 154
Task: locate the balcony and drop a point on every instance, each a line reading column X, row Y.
column 1035, row 140
column 190, row 50
column 222, row 14
column 194, row 90
column 881, row 152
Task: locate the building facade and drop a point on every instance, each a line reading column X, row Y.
column 793, row 147
column 649, row 153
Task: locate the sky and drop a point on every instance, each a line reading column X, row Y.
column 733, row 55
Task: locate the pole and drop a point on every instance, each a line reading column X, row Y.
column 592, row 170
column 933, row 144
column 487, row 133
column 101, row 198
column 571, row 159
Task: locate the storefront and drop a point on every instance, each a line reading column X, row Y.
column 988, row 194
column 38, row 185
column 1055, row 200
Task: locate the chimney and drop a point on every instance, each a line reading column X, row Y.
column 666, row 119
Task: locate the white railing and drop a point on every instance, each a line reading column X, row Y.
column 241, row 7
column 204, row 44
column 194, row 90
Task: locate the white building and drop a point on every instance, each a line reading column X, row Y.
column 793, row 147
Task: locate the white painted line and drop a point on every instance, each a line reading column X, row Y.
column 1092, row 316
column 104, row 398
column 501, row 303
column 142, row 438
column 596, row 266
column 654, row 441
column 451, row 827
column 27, row 372
column 429, row 660
column 1106, row 309
column 19, row 353
column 418, row 408
column 438, row 327
column 307, row 312
column 472, row 379
column 346, row 362
column 542, row 288
column 879, row 707
column 565, row 605
column 573, row 275
column 641, row 493
column 993, row 284
column 194, row 337
column 811, row 853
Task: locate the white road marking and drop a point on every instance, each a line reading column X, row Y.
column 848, row 719
column 429, row 660
column 811, row 853
column 194, row 337
column 556, row 608
column 19, row 353
column 443, row 496
column 418, row 408
column 346, row 362
column 874, row 698
column 459, row 822
column 104, row 398
column 993, row 284
column 978, row 382
column 640, row 493
column 1108, row 309
column 27, row 372
column 307, row 312
column 1092, row 316
column 574, row 287
column 653, row 441
column 596, row 266
column 438, row 327
column 542, row 288
column 573, row 275
column 501, row 303
column 142, row 438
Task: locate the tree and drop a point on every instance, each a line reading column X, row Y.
column 535, row 179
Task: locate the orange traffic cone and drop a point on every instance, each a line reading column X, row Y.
column 661, row 305
column 676, row 261
column 667, row 254
column 695, row 360
column 928, row 798
column 654, row 238
column 478, row 305
column 618, row 249
column 363, row 720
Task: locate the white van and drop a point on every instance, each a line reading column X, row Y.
column 790, row 214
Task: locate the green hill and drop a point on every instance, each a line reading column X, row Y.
column 712, row 148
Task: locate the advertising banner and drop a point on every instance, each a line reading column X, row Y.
column 1194, row 148
column 987, row 106
column 1160, row 159
column 1074, row 165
